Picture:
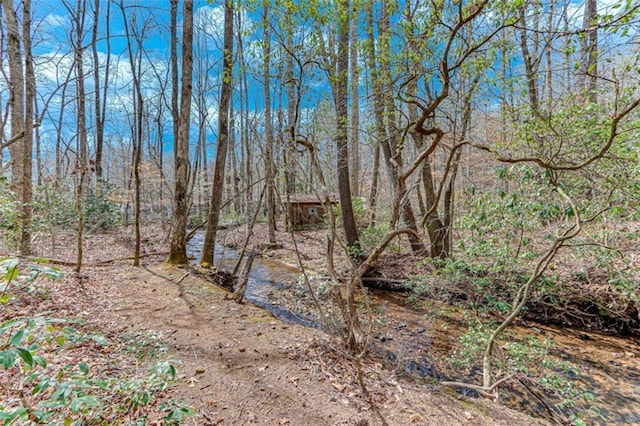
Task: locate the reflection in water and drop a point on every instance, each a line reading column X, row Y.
column 604, row 366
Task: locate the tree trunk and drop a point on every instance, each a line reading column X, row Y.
column 100, row 99
column 245, row 143
column 59, row 131
column 81, row 165
column 29, row 101
column 355, row 103
column 342, row 138
column 548, row 55
column 589, row 51
column 233, row 161
column 384, row 114
column 291, row 134
column 16, row 100
column 373, row 195
column 530, row 64
column 241, row 287
column 268, row 125
column 137, row 126
column 178, row 251
column 223, row 137
column 435, row 226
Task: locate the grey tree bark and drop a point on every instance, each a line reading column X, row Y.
column 29, row 104
column 223, row 136
column 354, row 72
column 78, row 16
column 268, row 125
column 135, row 62
column 20, row 146
column 342, row 137
column 384, row 114
column 178, row 250
column 100, row 87
column 589, row 51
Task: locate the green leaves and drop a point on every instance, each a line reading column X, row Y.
column 11, row 323
column 62, row 394
column 84, row 402
column 17, row 338
column 26, row 356
column 7, row 358
column 7, row 417
column 8, row 269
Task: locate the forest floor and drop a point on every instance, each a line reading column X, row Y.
column 237, row 363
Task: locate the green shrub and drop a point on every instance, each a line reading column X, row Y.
column 10, row 215
column 58, row 206
column 38, row 391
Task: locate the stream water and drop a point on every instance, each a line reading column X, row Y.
column 265, row 280
column 602, row 371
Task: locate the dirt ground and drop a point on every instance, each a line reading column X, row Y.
column 237, row 363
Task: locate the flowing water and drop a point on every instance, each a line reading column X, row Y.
column 266, row 279
column 603, row 369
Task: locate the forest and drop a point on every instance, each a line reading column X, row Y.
column 322, row 212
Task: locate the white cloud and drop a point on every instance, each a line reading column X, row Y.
column 575, row 10
column 54, row 20
column 210, row 20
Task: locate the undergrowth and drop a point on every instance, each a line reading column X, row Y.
column 56, row 371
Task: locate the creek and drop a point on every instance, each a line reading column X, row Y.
column 419, row 340
column 266, row 279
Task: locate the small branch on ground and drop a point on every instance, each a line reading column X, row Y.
column 100, row 263
column 238, row 294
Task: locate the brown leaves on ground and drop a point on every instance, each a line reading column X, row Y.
column 237, row 363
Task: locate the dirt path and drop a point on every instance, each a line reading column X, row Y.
column 237, row 364
column 240, row 365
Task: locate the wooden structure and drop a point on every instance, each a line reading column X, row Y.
column 307, row 210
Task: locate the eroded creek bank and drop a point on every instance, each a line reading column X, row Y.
column 598, row 375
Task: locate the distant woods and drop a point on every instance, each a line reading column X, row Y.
column 407, row 112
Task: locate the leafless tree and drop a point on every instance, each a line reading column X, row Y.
column 182, row 120
column 223, row 137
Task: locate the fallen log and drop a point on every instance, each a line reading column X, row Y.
column 238, row 294
column 386, row 284
column 44, row 260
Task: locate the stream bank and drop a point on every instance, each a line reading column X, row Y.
column 236, row 364
column 587, row 374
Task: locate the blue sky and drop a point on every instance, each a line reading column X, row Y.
column 53, row 58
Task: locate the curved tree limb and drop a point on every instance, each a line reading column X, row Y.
column 522, row 295
column 613, row 133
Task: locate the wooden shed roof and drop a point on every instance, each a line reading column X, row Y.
column 309, row 199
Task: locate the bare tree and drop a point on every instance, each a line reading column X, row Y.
column 529, row 57
column 16, row 96
column 268, row 124
column 100, row 99
column 341, row 96
column 384, row 114
column 589, row 50
column 78, row 16
column 245, row 141
column 354, row 75
column 29, row 105
column 21, row 107
column 291, row 133
column 203, row 67
column 178, row 250
column 223, row 138
column 137, row 122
